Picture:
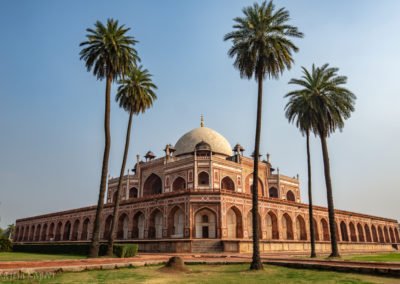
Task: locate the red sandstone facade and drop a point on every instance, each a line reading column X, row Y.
column 198, row 198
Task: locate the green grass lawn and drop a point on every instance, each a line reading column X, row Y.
column 24, row 256
column 381, row 257
column 234, row 273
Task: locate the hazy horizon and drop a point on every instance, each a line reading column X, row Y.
column 51, row 110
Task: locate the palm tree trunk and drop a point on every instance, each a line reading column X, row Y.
column 331, row 209
column 95, row 245
column 117, row 200
column 256, row 263
column 310, row 206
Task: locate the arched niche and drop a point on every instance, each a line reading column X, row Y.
column 152, row 185
column 179, row 184
column 227, row 184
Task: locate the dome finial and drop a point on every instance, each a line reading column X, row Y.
column 201, row 121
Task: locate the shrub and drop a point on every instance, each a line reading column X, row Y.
column 5, row 244
column 125, row 250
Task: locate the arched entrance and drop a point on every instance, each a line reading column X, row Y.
column 227, row 184
column 392, row 238
column 85, row 230
column 301, row 228
column 51, row 232
column 234, row 223
column 360, row 233
column 290, row 196
column 176, row 223
column 123, row 227
column 155, row 225
column 374, row 234
column 203, row 179
column 287, row 227
column 67, row 231
column 272, row 226
column 179, row 184
column 273, row 192
column 58, row 231
column 380, row 234
column 325, row 230
column 386, row 232
column 152, row 185
column 353, row 235
column 138, row 226
column 133, row 192
column 206, row 225
column 316, row 230
column 250, row 225
column 367, row 233
column 343, row 231
column 75, row 229
column 107, row 227
column 44, row 232
column 37, row 232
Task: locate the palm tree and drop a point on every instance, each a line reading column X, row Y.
column 331, row 104
column 136, row 93
column 262, row 48
column 300, row 112
column 109, row 53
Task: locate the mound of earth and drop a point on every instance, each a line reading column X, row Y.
column 174, row 264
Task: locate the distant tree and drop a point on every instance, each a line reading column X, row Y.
column 330, row 105
column 109, row 53
column 262, row 48
column 299, row 111
column 135, row 95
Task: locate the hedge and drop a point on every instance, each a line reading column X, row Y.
column 59, row 248
column 125, row 250
column 120, row 250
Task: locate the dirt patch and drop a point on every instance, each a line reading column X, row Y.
column 174, row 264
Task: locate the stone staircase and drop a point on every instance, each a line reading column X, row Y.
column 207, row 246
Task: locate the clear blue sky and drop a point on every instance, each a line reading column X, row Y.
column 51, row 108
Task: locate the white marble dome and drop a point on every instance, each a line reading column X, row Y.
column 218, row 143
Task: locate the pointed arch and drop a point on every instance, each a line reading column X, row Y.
column 272, row 226
column 290, row 196
column 43, row 233
column 203, row 179
column 380, row 235
column 179, row 184
column 67, row 231
column 21, row 234
column 301, row 228
column 205, row 223
column 353, row 235
column 176, row 222
column 316, row 230
column 273, row 192
column 325, row 230
column 123, row 227
column 367, row 233
column 85, row 230
column 343, row 231
column 58, row 231
column 155, row 224
column 234, row 222
column 374, row 234
column 138, row 225
column 250, row 224
column 360, row 232
column 133, row 192
column 75, row 230
column 51, row 232
column 227, row 184
column 392, row 238
column 337, row 232
column 152, row 185
column 31, row 233
column 287, row 227
column 37, row 232
column 386, row 234
column 107, row 227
